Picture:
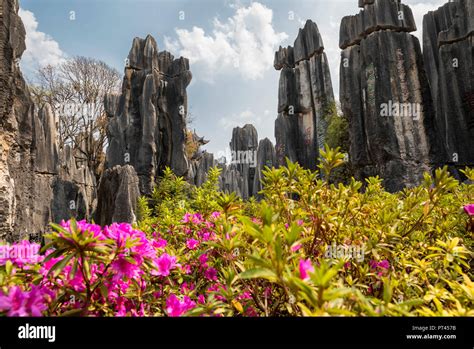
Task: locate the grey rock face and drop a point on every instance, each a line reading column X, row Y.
column 118, row 195
column 74, row 189
column 385, row 95
column 448, row 49
column 266, row 157
column 244, row 146
column 200, row 167
column 304, row 94
column 377, row 15
column 231, row 180
column 147, row 124
column 31, row 171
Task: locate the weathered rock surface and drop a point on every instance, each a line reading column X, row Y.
column 200, row 167
column 266, row 157
column 118, row 195
column 376, row 15
column 231, row 180
column 304, row 95
column 31, row 173
column 243, row 146
column 147, row 121
column 385, row 95
column 448, row 49
column 74, row 190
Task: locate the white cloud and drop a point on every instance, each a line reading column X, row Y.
column 245, row 117
column 41, row 49
column 245, row 43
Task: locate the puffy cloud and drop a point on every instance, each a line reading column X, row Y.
column 245, row 43
column 245, row 117
column 41, row 49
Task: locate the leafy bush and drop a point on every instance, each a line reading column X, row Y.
column 309, row 248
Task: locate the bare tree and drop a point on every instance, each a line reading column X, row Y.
column 75, row 90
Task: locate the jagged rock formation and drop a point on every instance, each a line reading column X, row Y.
column 74, row 189
column 239, row 175
column 200, row 162
column 385, row 95
column 118, row 195
column 266, row 157
column 199, row 168
column 231, row 180
column 448, row 49
column 147, row 126
column 304, row 94
column 31, row 175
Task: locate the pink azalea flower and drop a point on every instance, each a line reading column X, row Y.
column 185, row 287
column 469, row 209
column 197, row 218
column 160, row 243
column 295, row 248
column 186, row 269
column 300, row 222
column 21, row 253
column 187, row 218
column 305, row 268
column 384, row 264
column 176, row 307
column 373, row 264
column 211, row 274
column 201, row 299
column 251, row 312
column 165, row 263
column 192, row 244
column 123, row 268
column 19, row 303
column 215, row 215
column 203, row 259
column 245, row 295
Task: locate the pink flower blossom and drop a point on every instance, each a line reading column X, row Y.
column 245, row 295
column 384, row 264
column 295, row 248
column 165, row 263
column 197, row 218
column 187, row 218
column 215, row 215
column 192, row 244
column 21, row 253
column 125, row 268
column 187, row 269
column 203, row 259
column 201, row 299
column 19, row 303
column 176, row 307
column 469, row 209
column 305, row 268
column 251, row 312
column 211, row 274
column 160, row 243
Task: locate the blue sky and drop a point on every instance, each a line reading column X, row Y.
column 230, row 45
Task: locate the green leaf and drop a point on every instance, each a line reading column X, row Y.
column 9, row 267
column 259, row 273
column 72, row 312
column 59, row 266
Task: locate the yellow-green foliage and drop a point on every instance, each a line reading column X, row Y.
column 417, row 258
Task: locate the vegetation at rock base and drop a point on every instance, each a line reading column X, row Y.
column 309, row 248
